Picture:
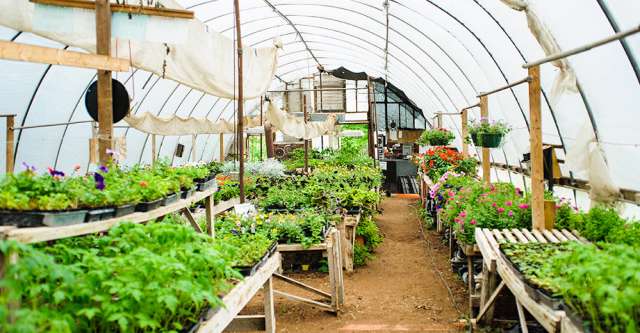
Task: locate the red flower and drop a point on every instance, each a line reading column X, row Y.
column 143, row 183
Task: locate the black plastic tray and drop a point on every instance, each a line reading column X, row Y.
column 537, row 294
column 147, row 206
column 99, row 214
column 125, row 210
column 41, row 218
column 173, row 198
column 209, row 184
column 250, row 270
column 187, row 193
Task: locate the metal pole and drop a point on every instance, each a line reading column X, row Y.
column 240, row 129
column 584, row 48
column 510, row 85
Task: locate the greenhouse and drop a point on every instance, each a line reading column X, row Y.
column 319, row 166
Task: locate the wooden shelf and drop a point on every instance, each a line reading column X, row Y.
column 240, row 296
column 42, row 234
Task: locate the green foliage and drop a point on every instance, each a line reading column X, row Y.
column 628, row 234
column 436, row 137
column 496, row 128
column 368, row 229
column 596, row 224
column 361, row 255
column 158, row 277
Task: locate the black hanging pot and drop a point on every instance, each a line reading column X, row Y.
column 120, row 100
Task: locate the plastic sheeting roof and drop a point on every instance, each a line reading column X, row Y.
column 441, row 53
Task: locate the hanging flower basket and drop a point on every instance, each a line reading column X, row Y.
column 436, row 137
column 487, row 140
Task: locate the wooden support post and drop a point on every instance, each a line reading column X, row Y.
column 221, row 147
column 105, row 94
column 153, row 148
column 370, row 119
column 439, row 119
column 210, row 216
column 486, row 157
column 306, row 142
column 471, row 285
column 269, row 310
column 336, row 278
column 549, row 214
column 191, row 219
column 261, row 124
column 537, row 168
column 193, row 148
column 10, row 163
column 240, row 134
column 465, row 133
column 489, row 277
column 268, row 136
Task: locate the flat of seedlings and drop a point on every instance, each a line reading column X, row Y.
column 397, row 291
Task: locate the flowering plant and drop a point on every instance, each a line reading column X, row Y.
column 436, row 137
column 438, row 160
column 493, row 128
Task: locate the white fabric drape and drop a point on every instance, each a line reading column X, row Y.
column 179, row 49
column 566, row 80
column 296, row 127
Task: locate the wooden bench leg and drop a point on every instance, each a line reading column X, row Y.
column 269, row 310
column 488, row 287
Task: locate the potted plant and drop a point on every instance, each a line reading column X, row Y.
column 436, row 137
column 488, row 135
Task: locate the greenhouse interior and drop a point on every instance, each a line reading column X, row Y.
column 319, row 166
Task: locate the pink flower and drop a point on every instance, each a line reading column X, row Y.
column 76, row 167
column 451, row 194
column 463, row 214
column 494, row 205
column 510, row 214
column 473, row 222
column 524, row 206
column 500, row 210
column 518, row 191
column 508, row 203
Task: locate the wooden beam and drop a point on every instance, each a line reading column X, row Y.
column 129, row 9
column 302, row 285
column 240, row 134
column 247, row 323
column 465, row 133
column 303, row 300
column 105, row 93
column 47, row 55
column 306, row 142
column 9, row 162
column 191, row 219
column 269, row 138
column 221, row 147
column 537, row 167
column 549, row 214
column 269, row 309
column 153, row 148
column 486, row 157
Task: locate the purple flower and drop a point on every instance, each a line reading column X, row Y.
column 55, row 173
column 518, row 191
column 29, row 167
column 104, row 169
column 99, row 181
column 510, row 214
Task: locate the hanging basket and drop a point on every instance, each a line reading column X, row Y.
column 439, row 142
column 487, row 140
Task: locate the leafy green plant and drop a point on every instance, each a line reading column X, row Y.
column 436, row 137
column 493, row 128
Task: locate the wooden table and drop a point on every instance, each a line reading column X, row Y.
column 494, row 264
column 347, row 228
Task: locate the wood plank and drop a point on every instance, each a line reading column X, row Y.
column 224, row 206
column 41, row 234
column 519, row 236
column 486, row 156
column 522, row 319
column 209, row 216
column 559, row 235
column 105, row 90
column 10, row 144
column 535, row 133
column 465, row 132
column 269, row 310
column 549, row 214
column 46, row 55
column 489, row 303
column 550, row 236
column 577, row 234
column 529, row 235
column 247, row 323
column 121, row 8
column 303, row 300
column 191, row 219
column 484, row 246
column 509, row 236
column 498, row 236
column 539, row 236
column 495, row 247
column 302, row 285
column 239, row 296
column 569, row 235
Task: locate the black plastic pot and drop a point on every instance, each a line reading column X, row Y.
column 38, row 219
column 187, row 193
column 207, row 185
column 147, row 206
column 99, row 214
column 125, row 210
column 172, row 198
column 487, row 140
column 353, row 210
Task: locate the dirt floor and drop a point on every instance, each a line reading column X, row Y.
column 403, row 290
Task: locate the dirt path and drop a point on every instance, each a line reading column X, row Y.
column 398, row 291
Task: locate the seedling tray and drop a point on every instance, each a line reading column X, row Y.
column 575, row 319
column 250, row 270
column 187, row 193
column 539, row 295
column 170, row 199
column 207, row 185
column 147, row 206
column 125, row 210
column 99, row 214
column 39, row 218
